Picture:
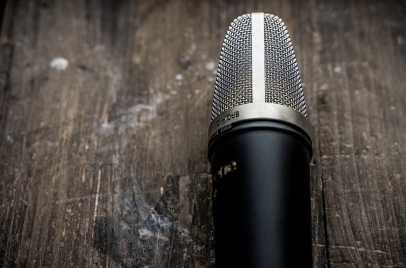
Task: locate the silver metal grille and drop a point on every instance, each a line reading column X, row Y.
column 282, row 79
column 234, row 74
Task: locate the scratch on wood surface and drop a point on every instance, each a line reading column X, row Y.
column 69, row 200
column 361, row 249
column 96, row 203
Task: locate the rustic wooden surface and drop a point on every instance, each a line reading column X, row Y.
column 105, row 164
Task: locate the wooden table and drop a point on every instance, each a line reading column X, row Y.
column 104, row 164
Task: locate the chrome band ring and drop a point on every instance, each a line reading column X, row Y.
column 260, row 111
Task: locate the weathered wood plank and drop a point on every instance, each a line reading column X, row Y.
column 105, row 163
column 88, row 166
column 360, row 122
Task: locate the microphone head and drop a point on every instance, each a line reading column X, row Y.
column 257, row 75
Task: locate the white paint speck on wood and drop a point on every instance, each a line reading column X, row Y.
column 59, row 64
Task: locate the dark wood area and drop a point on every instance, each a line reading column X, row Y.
column 104, row 164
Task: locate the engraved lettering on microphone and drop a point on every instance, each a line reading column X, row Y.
column 232, row 166
column 229, row 117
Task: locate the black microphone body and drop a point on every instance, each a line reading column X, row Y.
column 260, row 150
column 261, row 207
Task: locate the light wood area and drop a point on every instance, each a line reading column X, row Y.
column 104, row 164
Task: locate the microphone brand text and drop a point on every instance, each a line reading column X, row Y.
column 228, row 117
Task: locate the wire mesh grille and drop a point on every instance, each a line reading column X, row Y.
column 282, row 79
column 234, row 74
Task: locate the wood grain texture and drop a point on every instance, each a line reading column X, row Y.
column 105, row 164
column 361, row 107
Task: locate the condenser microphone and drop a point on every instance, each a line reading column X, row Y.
column 260, row 149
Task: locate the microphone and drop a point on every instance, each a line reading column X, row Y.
column 260, row 149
